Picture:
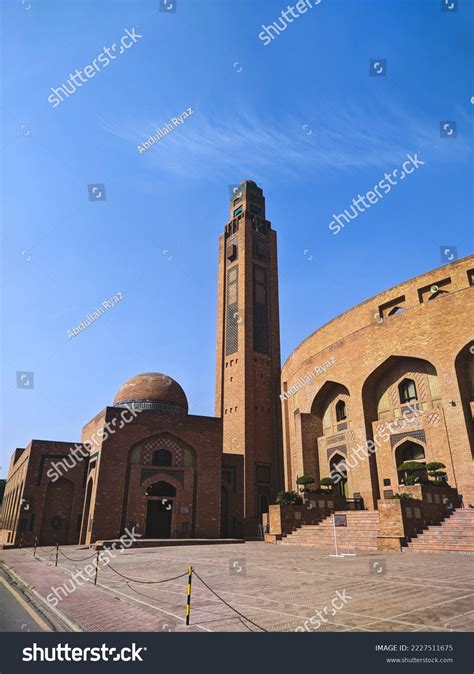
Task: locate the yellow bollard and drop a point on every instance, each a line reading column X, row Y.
column 188, row 598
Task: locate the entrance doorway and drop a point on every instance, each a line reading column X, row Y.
column 338, row 465
column 412, row 452
column 158, row 518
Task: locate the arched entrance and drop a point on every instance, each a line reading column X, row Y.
column 413, row 452
column 159, row 510
column 338, row 464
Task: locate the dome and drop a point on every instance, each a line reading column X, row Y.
column 152, row 391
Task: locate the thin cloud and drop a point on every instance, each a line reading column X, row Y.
column 350, row 139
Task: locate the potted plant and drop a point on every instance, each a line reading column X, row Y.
column 288, row 498
column 403, row 496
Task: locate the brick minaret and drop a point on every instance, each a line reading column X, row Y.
column 248, row 349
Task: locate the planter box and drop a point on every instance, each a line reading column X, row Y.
column 283, row 519
column 404, row 518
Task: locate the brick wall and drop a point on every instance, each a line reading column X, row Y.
column 366, row 347
column 119, row 486
column 51, row 483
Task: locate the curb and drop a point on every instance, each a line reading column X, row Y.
column 62, row 617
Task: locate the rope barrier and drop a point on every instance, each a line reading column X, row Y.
column 246, row 626
column 145, row 582
column 229, row 605
column 83, row 559
column 134, row 589
column 46, row 552
column 147, row 596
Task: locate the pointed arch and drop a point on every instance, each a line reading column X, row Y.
column 162, row 457
column 182, row 453
column 407, row 390
column 161, row 488
column 341, row 414
column 381, row 392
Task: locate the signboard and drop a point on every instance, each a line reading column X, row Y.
column 340, row 520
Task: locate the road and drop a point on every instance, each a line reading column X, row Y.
column 19, row 611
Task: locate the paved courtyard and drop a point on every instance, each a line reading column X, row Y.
column 273, row 588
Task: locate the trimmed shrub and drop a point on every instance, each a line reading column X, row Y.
column 326, row 482
column 304, row 480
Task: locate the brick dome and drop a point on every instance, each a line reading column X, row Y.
column 152, row 390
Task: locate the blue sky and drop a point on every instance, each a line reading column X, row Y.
column 301, row 117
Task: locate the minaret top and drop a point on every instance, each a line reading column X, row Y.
column 247, row 186
column 248, row 201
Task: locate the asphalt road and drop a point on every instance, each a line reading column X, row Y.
column 18, row 611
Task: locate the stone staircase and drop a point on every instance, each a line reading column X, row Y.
column 454, row 534
column 360, row 534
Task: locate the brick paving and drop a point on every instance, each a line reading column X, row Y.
column 276, row 587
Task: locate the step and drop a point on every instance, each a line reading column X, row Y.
column 360, row 534
column 443, row 548
column 455, row 533
column 342, row 548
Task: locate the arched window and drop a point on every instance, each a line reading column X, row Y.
column 161, row 458
column 407, row 391
column 409, row 451
column 341, row 411
column 161, row 489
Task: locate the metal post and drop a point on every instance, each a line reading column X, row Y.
column 57, row 553
column 96, row 566
column 21, row 541
column 34, row 548
column 188, row 598
column 335, row 533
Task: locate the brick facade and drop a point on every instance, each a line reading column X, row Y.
column 395, row 371
column 361, row 361
column 248, row 349
column 37, row 506
column 121, row 471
